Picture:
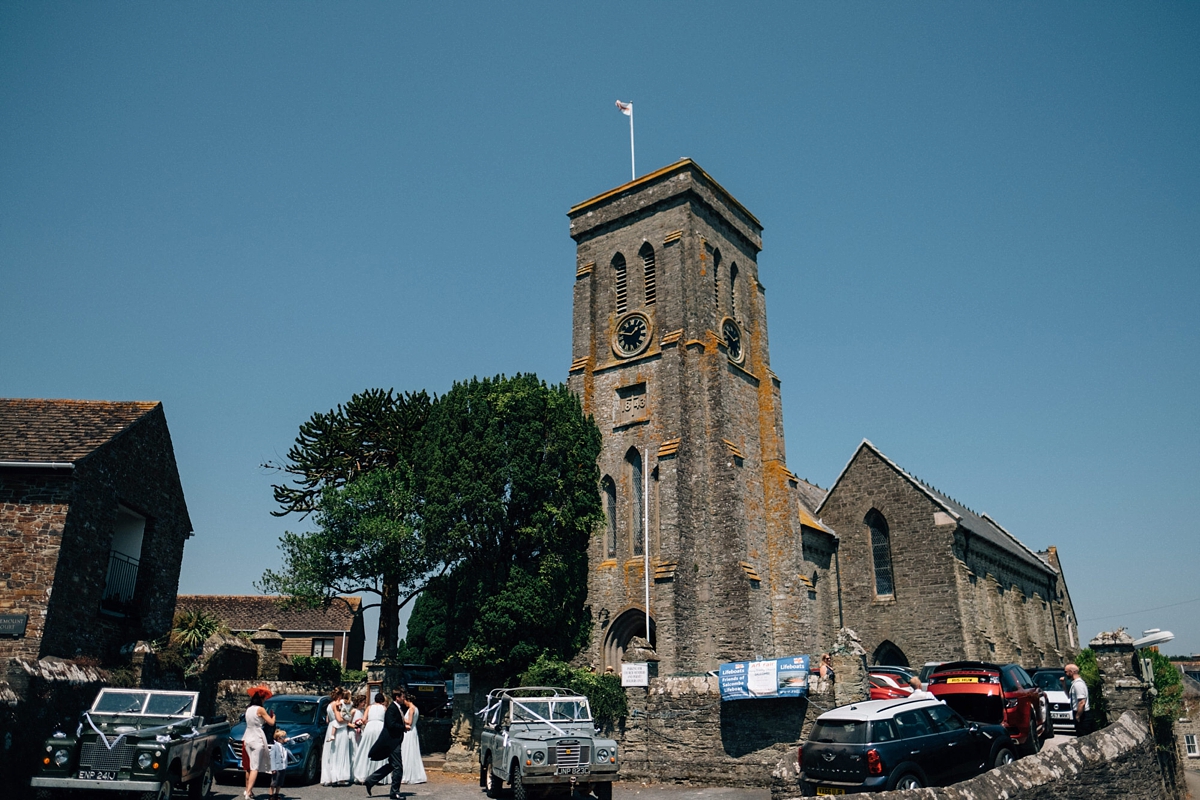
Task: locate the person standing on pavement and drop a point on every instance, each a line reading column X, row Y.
column 1081, row 705
column 393, row 728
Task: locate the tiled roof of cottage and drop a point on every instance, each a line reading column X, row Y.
column 981, row 525
column 62, row 430
column 250, row 612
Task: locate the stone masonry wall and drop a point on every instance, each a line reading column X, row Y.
column 922, row 616
column 33, row 512
column 1117, row 762
column 136, row 469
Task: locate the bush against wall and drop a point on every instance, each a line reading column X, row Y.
column 604, row 692
column 1089, row 670
column 316, row 669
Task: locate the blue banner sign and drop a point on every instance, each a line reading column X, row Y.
column 779, row 677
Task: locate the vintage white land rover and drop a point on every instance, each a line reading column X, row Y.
column 543, row 736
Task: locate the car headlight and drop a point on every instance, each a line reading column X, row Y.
column 143, row 761
column 539, row 757
column 61, row 757
column 602, row 754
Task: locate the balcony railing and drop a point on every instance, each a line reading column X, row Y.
column 121, row 583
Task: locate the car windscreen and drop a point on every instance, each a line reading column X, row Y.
column 120, row 702
column 162, row 704
column 418, row 675
column 1050, row 681
column 293, row 712
column 837, row 731
column 552, row 710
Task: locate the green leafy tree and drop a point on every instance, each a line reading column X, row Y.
column 508, row 472
column 375, row 430
column 605, row 694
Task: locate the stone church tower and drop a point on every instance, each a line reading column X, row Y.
column 671, row 358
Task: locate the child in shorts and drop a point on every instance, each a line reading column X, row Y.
column 279, row 759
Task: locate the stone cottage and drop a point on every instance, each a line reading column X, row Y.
column 92, row 527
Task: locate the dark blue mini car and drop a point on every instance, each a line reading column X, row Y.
column 296, row 714
column 879, row 745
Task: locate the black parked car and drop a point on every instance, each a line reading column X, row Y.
column 427, row 689
column 879, row 745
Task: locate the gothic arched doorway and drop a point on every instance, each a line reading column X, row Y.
column 630, row 623
column 889, row 655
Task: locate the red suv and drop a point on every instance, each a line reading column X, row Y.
column 995, row 693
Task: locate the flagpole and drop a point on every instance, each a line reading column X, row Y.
column 633, row 177
column 646, row 523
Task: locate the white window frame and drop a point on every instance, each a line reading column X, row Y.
column 1189, row 743
column 332, row 647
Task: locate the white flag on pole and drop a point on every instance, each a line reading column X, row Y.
column 626, row 108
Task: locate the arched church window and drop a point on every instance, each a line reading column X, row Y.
column 716, row 260
column 881, row 552
column 648, row 267
column 637, row 492
column 609, row 488
column 621, row 282
column 733, row 290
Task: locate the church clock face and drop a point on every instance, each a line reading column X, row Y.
column 733, row 340
column 632, row 336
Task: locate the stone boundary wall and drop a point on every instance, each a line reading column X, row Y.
column 1118, row 762
column 232, row 699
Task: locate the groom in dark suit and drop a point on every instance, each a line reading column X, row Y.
column 393, row 729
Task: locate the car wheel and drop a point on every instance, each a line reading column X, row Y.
column 312, row 766
column 603, row 791
column 908, row 781
column 1032, row 743
column 1004, row 756
column 199, row 788
column 163, row 792
column 517, row 783
column 491, row 784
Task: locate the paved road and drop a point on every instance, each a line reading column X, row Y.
column 446, row 786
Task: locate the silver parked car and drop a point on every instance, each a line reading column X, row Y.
column 539, row 735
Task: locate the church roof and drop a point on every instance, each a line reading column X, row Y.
column 62, row 431
column 981, row 525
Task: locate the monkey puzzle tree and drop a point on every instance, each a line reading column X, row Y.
column 375, row 431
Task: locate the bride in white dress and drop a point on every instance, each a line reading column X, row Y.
column 414, row 770
column 363, row 765
column 335, row 760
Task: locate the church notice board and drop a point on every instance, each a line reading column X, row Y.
column 779, row 677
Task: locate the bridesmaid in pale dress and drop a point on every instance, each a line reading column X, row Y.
column 414, row 770
column 363, row 765
column 335, row 760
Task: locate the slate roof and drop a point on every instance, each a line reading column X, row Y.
column 981, row 525
column 810, row 493
column 249, row 612
column 62, row 430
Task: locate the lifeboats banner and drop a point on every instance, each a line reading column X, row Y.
column 779, row 677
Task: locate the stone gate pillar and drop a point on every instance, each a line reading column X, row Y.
column 269, row 644
column 1120, row 675
column 850, row 682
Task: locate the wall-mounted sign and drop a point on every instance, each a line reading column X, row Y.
column 462, row 683
column 637, row 674
column 779, row 677
column 13, row 624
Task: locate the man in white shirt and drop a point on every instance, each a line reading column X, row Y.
column 1081, row 706
column 917, row 692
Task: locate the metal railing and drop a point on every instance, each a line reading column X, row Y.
column 121, row 583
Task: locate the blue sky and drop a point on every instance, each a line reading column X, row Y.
column 982, row 227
